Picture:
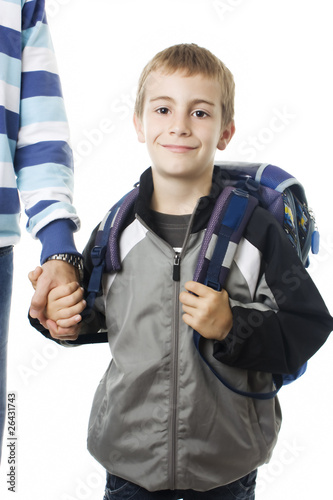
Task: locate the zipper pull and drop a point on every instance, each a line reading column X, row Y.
column 176, row 268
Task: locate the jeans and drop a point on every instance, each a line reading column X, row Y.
column 120, row 489
column 6, row 281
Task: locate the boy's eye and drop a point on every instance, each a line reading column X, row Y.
column 199, row 113
column 162, row 111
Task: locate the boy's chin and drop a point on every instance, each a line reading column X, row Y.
column 182, row 170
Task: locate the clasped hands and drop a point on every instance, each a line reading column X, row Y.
column 58, row 299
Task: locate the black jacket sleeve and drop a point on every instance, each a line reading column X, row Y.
column 288, row 321
column 88, row 338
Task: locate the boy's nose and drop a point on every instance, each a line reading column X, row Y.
column 180, row 125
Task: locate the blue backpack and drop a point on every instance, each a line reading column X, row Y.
column 246, row 186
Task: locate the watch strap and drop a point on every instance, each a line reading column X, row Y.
column 74, row 260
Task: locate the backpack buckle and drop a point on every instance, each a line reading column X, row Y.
column 241, row 192
column 215, row 285
column 97, row 255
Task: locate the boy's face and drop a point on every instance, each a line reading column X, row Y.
column 182, row 124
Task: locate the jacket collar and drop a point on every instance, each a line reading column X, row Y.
column 204, row 208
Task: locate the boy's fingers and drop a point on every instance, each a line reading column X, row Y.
column 65, row 291
column 70, row 322
column 189, row 320
column 69, row 312
column 72, row 300
column 188, row 311
column 61, row 333
column 188, row 299
column 197, row 288
column 194, row 292
column 76, row 298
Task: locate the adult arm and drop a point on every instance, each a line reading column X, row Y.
column 43, row 159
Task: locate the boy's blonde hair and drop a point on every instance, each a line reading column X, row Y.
column 193, row 60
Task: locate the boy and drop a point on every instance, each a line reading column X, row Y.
column 161, row 423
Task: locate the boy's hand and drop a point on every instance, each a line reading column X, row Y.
column 206, row 311
column 64, row 305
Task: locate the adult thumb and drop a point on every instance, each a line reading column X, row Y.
column 38, row 304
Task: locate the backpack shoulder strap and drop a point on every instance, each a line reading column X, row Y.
column 106, row 242
column 232, row 212
column 226, row 226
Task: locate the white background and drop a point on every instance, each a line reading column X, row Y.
column 280, row 54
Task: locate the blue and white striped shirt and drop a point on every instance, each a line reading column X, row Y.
column 35, row 155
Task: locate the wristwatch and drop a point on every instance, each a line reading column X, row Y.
column 74, row 260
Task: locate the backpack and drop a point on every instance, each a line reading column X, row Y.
column 246, row 186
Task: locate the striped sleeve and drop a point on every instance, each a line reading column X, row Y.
column 10, row 81
column 35, row 130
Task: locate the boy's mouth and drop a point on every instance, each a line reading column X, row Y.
column 178, row 149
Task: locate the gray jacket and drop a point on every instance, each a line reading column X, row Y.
column 160, row 418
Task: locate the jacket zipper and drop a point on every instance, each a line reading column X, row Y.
column 174, row 373
column 175, row 354
column 175, row 343
column 176, row 267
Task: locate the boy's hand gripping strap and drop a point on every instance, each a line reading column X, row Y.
column 224, row 233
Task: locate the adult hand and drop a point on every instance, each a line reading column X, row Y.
column 52, row 274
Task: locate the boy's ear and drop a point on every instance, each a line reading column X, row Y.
column 139, row 128
column 226, row 135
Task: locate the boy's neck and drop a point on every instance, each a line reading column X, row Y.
column 176, row 196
